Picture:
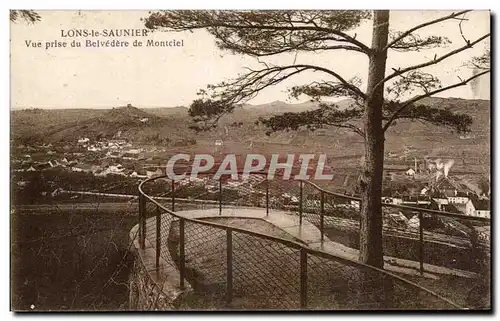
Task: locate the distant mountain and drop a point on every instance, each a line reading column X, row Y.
column 128, row 115
column 279, row 107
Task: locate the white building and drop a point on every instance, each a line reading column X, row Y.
column 83, row 140
column 410, row 172
column 441, row 202
column 139, row 174
column 392, row 200
column 478, row 207
column 151, row 172
column 458, row 199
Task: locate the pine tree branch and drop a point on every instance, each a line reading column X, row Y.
column 326, row 115
column 186, row 20
column 423, row 25
column 364, row 48
column 255, row 77
column 434, row 61
column 306, row 45
column 352, row 127
column 337, row 76
column 394, row 116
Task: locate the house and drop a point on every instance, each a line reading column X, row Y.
column 392, row 200
column 53, row 163
column 448, row 186
column 140, row 173
column 113, row 154
column 86, row 168
column 134, row 151
column 410, row 172
column 83, row 140
column 478, row 207
column 459, row 198
column 424, row 190
column 152, row 172
column 115, row 169
column 439, row 203
column 93, row 148
column 42, row 166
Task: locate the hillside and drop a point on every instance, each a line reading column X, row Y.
column 126, row 122
column 167, row 125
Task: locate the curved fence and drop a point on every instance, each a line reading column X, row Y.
column 246, row 269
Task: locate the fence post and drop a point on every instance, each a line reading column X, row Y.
column 421, row 240
column 220, row 195
column 303, row 278
column 229, row 263
column 300, row 202
column 267, row 197
column 182, row 255
column 322, row 222
column 158, row 238
column 142, row 222
column 173, row 195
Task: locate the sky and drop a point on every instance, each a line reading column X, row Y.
column 171, row 76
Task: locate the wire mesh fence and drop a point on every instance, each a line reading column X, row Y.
column 205, row 258
column 266, row 273
column 248, row 270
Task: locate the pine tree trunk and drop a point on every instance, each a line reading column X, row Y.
column 371, row 249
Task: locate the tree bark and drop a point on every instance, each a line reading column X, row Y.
column 371, row 248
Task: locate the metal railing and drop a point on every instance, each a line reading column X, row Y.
column 465, row 229
column 246, row 269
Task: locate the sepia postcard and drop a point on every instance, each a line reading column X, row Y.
column 223, row 160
